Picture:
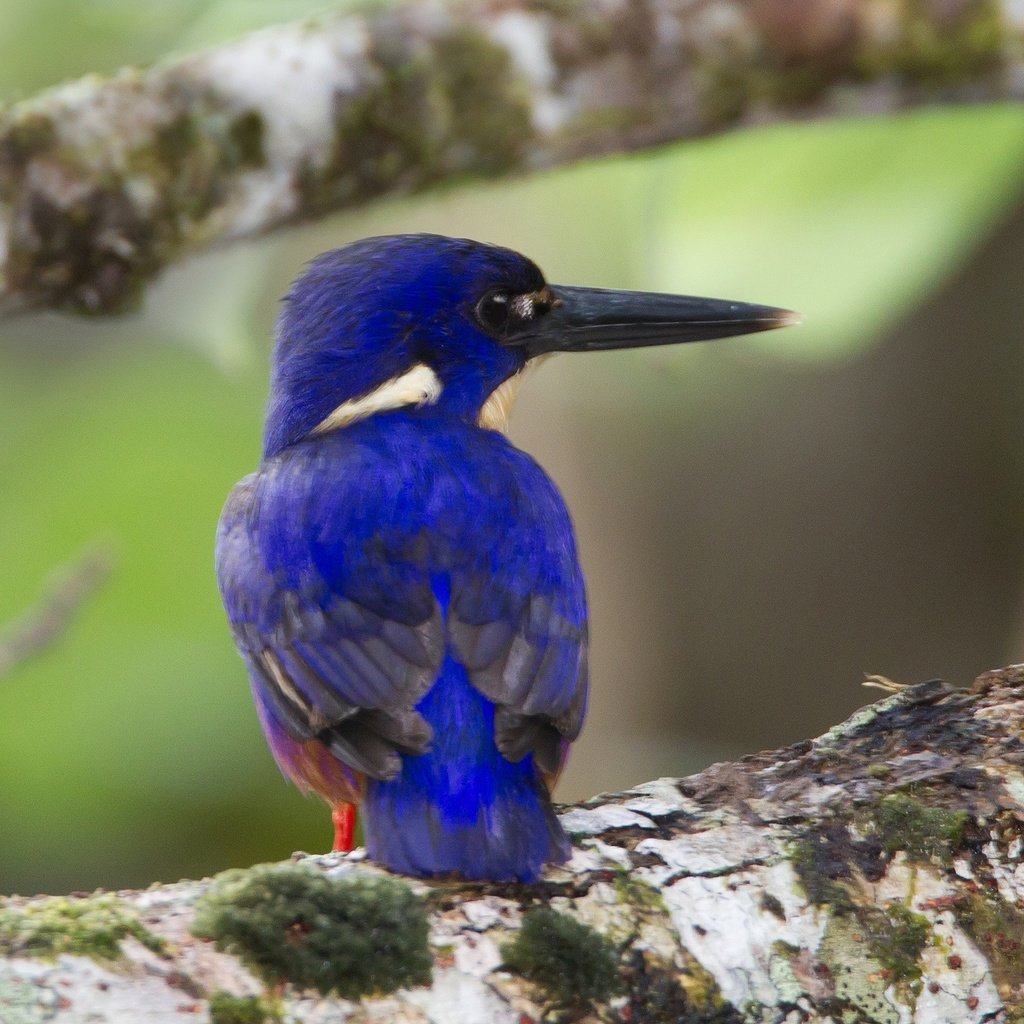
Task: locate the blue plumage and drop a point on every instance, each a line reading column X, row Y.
column 463, row 806
column 361, row 315
column 401, row 581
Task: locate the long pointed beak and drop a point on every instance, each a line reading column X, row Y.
column 592, row 319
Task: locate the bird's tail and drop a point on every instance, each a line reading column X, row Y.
column 462, row 808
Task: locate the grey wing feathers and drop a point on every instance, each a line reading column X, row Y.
column 326, row 666
column 536, row 673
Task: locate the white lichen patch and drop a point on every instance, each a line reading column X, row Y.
column 24, row 999
column 1013, row 783
column 527, row 37
column 305, row 1009
column 650, row 806
column 661, row 796
column 724, row 923
column 294, row 76
column 901, row 881
column 947, row 994
column 291, row 75
column 457, row 998
column 716, row 850
column 471, row 920
column 617, row 855
column 962, row 868
column 1009, row 877
column 580, row 862
column 951, row 963
column 82, row 115
column 481, row 914
column 658, row 936
column 811, row 799
column 591, row 821
column 100, row 992
column 477, row 955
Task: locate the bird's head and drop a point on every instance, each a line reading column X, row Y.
column 446, row 322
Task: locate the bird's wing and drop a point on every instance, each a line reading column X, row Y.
column 340, row 644
column 518, row 621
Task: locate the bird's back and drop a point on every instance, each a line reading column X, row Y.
column 407, row 595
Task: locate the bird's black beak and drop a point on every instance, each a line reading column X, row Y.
column 592, row 319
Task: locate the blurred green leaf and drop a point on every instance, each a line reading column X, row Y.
column 849, row 222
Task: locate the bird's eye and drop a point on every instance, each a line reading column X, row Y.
column 494, row 310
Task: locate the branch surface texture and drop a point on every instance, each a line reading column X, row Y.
column 106, row 180
column 873, row 875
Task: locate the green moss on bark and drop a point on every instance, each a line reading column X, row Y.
column 903, row 823
column 456, row 108
column 92, row 926
column 940, row 46
column 87, row 232
column 356, row 936
column 896, row 937
column 997, row 928
column 571, row 961
column 229, row 1009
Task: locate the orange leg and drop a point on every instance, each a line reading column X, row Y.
column 344, row 818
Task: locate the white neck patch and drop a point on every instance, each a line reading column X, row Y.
column 417, row 386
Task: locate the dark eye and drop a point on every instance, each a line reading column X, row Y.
column 494, row 310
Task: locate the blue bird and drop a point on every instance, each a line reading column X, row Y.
column 401, row 581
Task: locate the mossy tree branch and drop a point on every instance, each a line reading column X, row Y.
column 875, row 874
column 105, row 181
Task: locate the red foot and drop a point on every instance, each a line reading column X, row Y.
column 344, row 818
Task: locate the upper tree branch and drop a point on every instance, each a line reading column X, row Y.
column 106, row 180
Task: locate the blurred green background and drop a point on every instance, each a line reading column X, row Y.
column 761, row 521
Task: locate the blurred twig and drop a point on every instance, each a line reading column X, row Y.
column 105, row 181
column 42, row 625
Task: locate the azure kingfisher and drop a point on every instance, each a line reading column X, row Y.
column 401, row 580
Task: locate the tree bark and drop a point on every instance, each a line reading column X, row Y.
column 108, row 179
column 873, row 875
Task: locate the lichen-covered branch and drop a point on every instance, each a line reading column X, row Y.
column 106, row 180
column 874, row 875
